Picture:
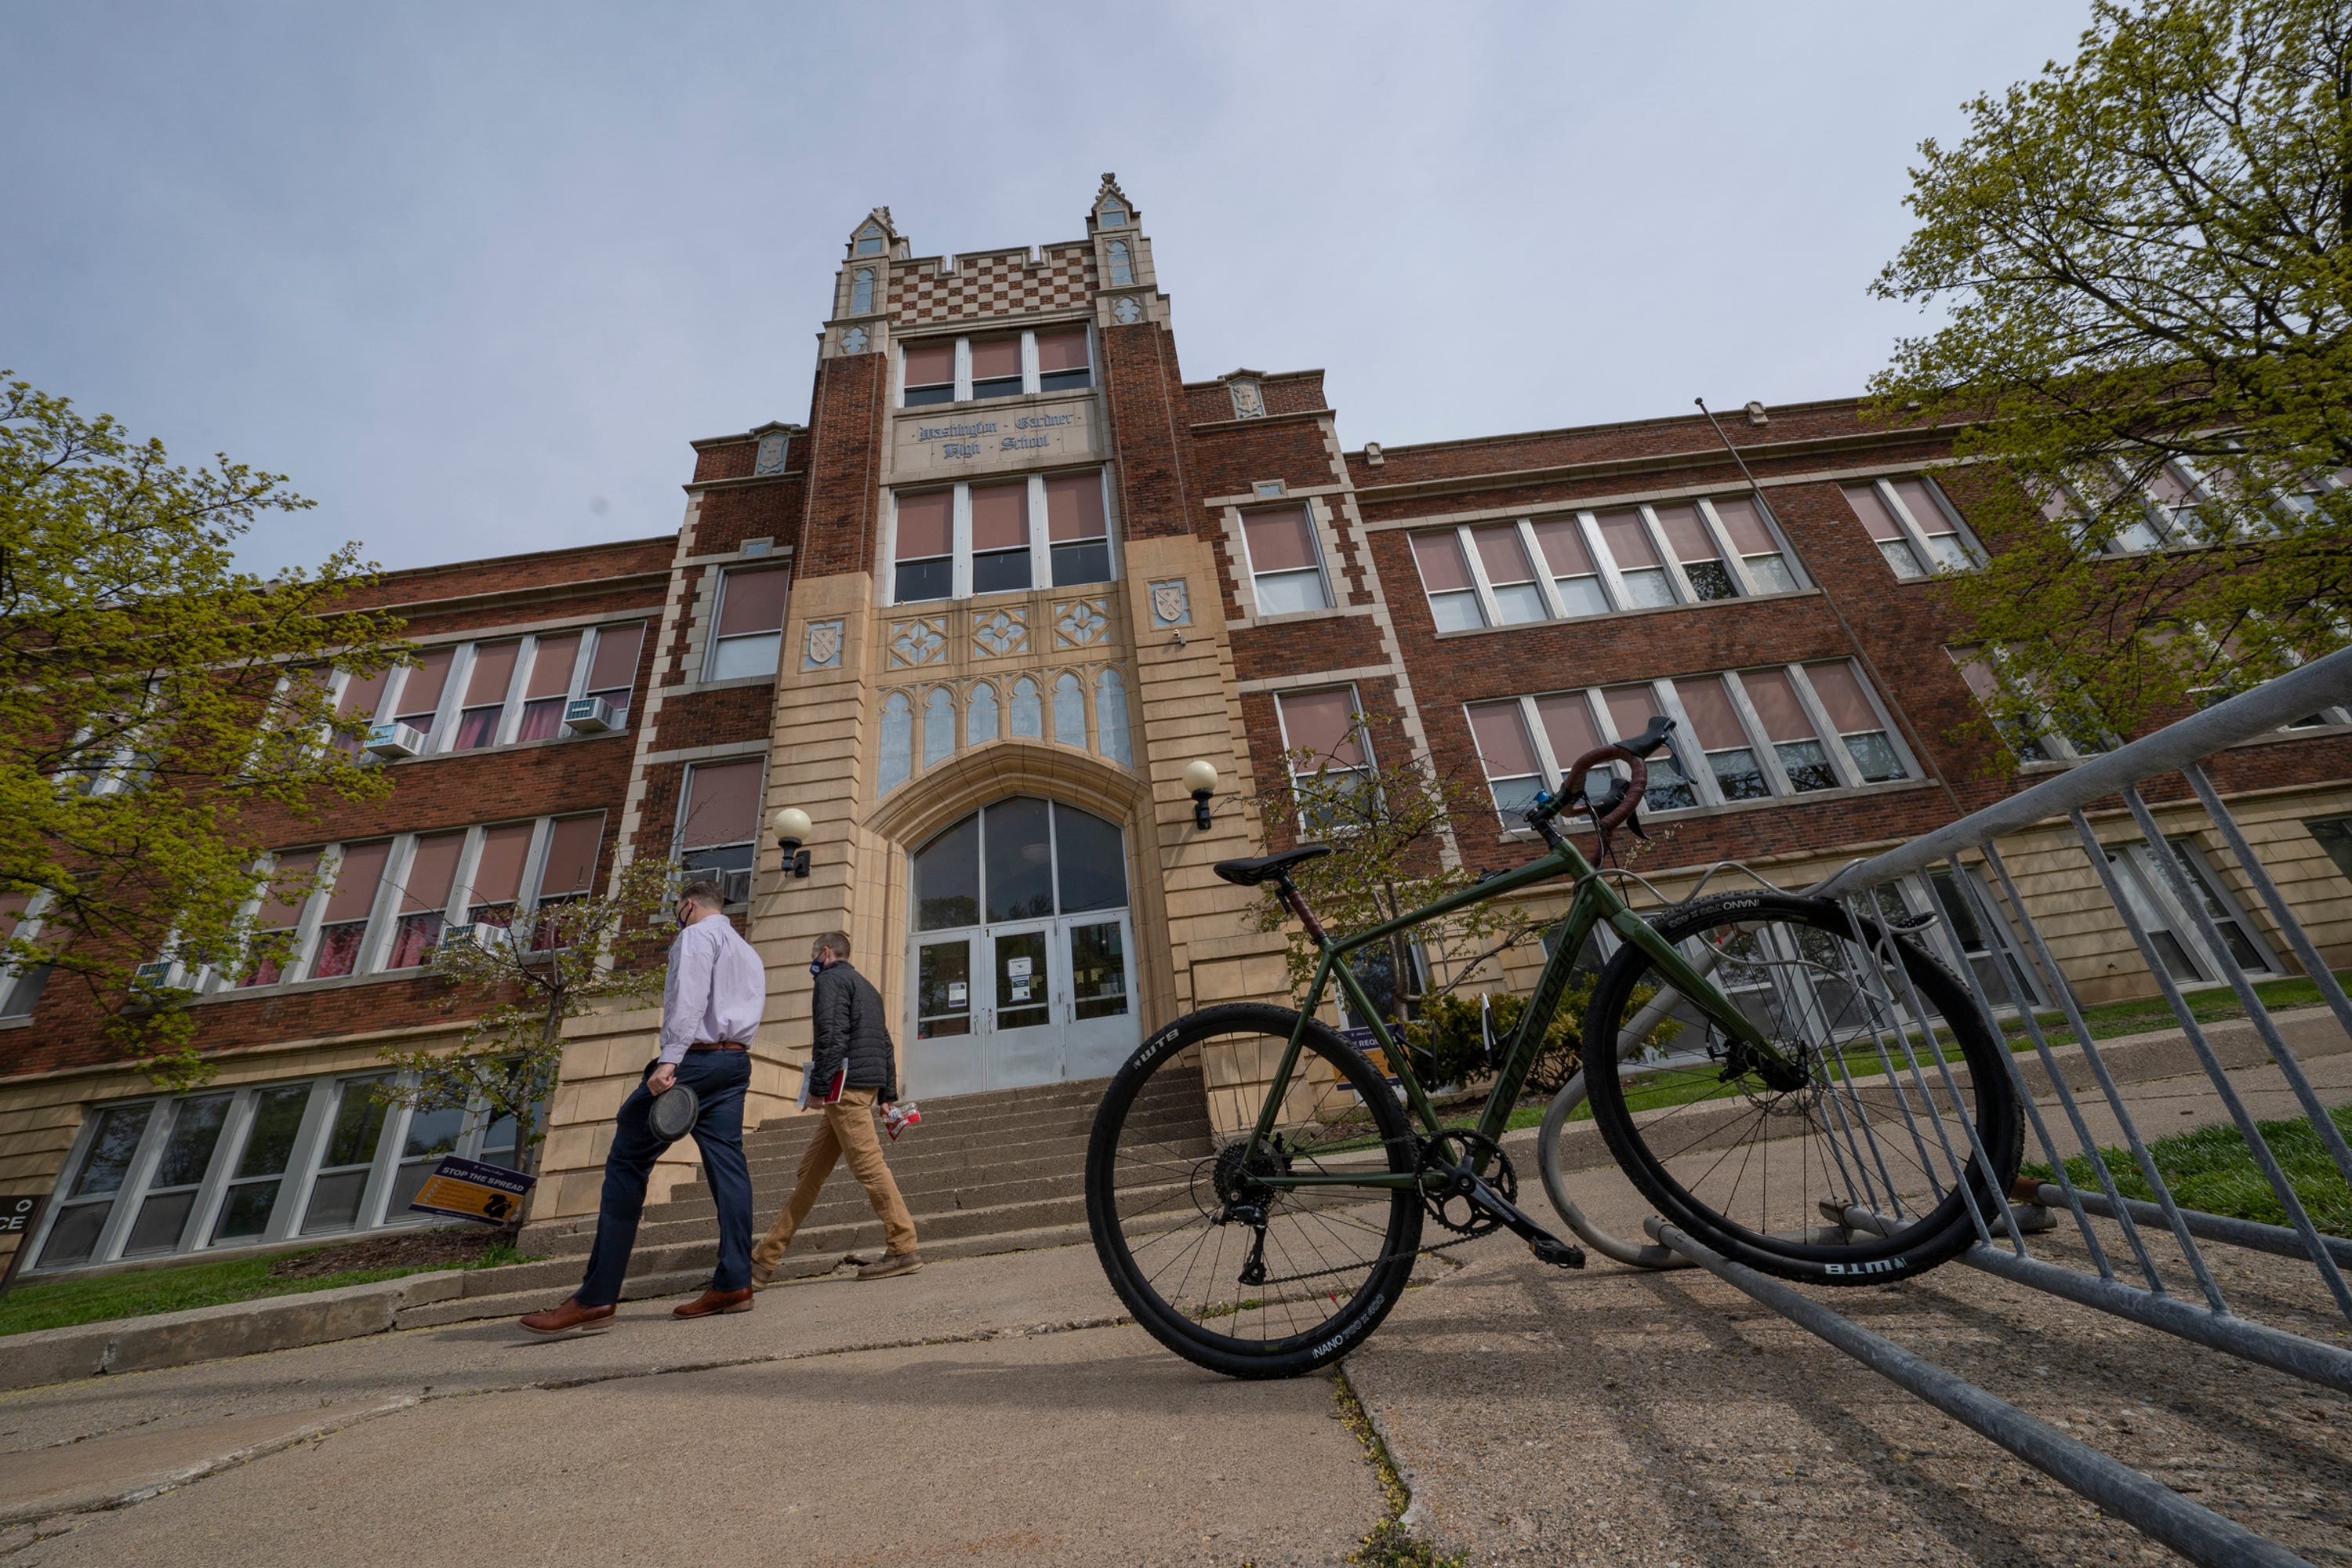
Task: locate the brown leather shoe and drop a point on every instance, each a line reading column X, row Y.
column 570, row 1318
column 890, row 1264
column 712, row 1303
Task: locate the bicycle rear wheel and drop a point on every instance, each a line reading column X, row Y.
column 1160, row 1191
column 1898, row 1101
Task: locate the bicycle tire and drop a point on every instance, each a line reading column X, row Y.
column 1371, row 1291
column 1873, row 1126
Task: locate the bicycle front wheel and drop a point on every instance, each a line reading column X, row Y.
column 1892, row 1093
column 1244, row 1279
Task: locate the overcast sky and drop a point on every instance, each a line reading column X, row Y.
column 474, row 275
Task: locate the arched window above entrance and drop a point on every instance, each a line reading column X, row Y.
column 1020, row 859
column 897, row 741
column 1069, row 711
column 938, row 726
column 980, row 715
column 1028, row 711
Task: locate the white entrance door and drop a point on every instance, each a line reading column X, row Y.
column 1021, row 967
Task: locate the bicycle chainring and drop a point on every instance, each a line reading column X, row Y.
column 1499, row 1175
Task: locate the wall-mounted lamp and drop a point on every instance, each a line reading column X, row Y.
column 792, row 828
column 1201, row 778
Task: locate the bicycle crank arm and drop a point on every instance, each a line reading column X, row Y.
column 1470, row 1186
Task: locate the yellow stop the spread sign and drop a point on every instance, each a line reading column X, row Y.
column 467, row 1189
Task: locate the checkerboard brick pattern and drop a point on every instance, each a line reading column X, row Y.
column 1004, row 285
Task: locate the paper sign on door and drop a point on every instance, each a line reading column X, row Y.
column 955, row 992
column 1017, row 968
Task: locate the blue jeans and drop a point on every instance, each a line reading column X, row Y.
column 717, row 1079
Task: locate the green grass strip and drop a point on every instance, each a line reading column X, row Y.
column 2211, row 1168
column 139, row 1293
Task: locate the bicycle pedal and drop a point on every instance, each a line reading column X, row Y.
column 1562, row 1254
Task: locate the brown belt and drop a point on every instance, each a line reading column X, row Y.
column 719, row 1046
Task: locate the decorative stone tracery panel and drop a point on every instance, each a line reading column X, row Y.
column 920, row 641
column 1081, row 622
column 1000, row 634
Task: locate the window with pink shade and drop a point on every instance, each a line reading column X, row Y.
column 747, row 641
column 567, row 872
column 421, row 689
column 498, row 874
column 613, row 667
column 282, row 904
column 1636, row 558
column 1454, row 603
column 342, row 928
column 1285, row 565
column 424, row 904
column 1329, row 756
column 548, row 688
column 486, row 695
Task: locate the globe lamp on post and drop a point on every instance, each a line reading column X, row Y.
column 792, row 828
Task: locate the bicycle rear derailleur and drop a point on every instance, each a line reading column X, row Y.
column 1488, row 1199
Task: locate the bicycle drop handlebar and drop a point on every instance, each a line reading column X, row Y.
column 1633, row 751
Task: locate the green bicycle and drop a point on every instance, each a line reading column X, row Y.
column 1817, row 1056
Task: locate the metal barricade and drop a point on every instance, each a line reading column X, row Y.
column 2121, row 1236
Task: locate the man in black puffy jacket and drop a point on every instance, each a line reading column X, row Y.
column 851, row 1069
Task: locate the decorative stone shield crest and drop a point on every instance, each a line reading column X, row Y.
column 823, row 646
column 1172, row 605
column 772, row 454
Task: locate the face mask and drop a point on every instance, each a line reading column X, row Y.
column 816, row 966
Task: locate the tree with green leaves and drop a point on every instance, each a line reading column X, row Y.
column 158, row 703
column 2142, row 260
column 546, row 965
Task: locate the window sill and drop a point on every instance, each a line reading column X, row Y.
column 732, row 683
column 285, row 988
column 1740, row 807
column 1293, row 617
column 976, row 404
column 1629, row 615
column 1001, row 597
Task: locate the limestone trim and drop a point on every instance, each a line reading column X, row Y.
column 1301, row 681
column 633, row 805
column 1707, row 456
column 724, row 749
column 944, row 795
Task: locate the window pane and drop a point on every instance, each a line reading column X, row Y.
column 356, row 880
column 1005, row 572
column 1069, row 711
column 1687, row 533
column 420, row 694
column 359, row 1122
column 1074, row 506
column 477, row 728
column 1774, row 699
column 73, row 1236
column 1568, row 724
column 994, row 358
column 1323, row 722
column 1628, row 540
column 1737, row 775
column 1457, row 612
column 1516, row 604
column 616, row 659
column 1091, row 859
column 1842, row 695
column 1741, row 520
column 269, row 1142
column 947, row 878
column 1280, row 540
column 1920, row 502
column 1503, row 744
column 1097, row 971
column 980, row 715
column 1500, row 552
column 571, row 854
column 1629, row 708
column 494, row 665
column 160, row 1220
column 1288, row 593
column 943, row 990
column 550, row 666
column 1901, row 557
column 276, row 913
column 1028, row 710
column 540, row 720
column 1950, row 551
column 925, row 524
column 938, row 727
column 1582, row 595
column 1110, row 718
column 110, row 1149
column 722, row 805
column 361, row 693
column 1712, row 716
column 1020, row 860
column 1087, row 562
column 1439, row 556
column 338, row 950
column 1874, row 756
column 1513, row 797
column 1561, row 540
column 922, row 580
column 1808, row 765
column 246, row 1213
column 930, row 363
column 1000, row 516
column 1868, row 506
column 1648, row 588
column 334, row 1201
column 497, row 875
column 1710, row 581
column 1061, row 351
column 1770, row 575
column 752, row 600
column 189, row 1150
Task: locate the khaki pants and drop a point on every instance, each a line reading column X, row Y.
column 849, row 1130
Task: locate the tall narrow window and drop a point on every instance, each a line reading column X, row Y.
column 1286, row 566
column 274, row 924
column 1028, row 710
column 612, row 672
column 897, row 762
column 498, row 874
column 1110, row 718
column 1638, row 566
column 346, row 1158
column 1884, row 531
column 551, row 683
column 486, row 695
column 926, row 563
column 1079, row 534
column 1509, row 575
column 1323, row 739
column 749, row 632
column 178, row 1178
column 89, row 1201
column 1790, row 728
column 980, row 715
column 1514, row 771
column 1759, row 550
column 861, row 291
column 1122, row 266
column 999, row 537
column 569, row 869
column 1629, row 709
column 424, row 899
column 1700, row 556
column 1937, row 528
column 995, row 367
column 1063, row 365
column 1445, row 576
column 342, row 929
column 719, row 829
column 20, row 987
column 1570, row 559
column 1069, row 712
column 1568, row 728
column 260, row 1169
column 420, row 692
column 361, row 695
column 931, row 372
column 1730, row 755
column 938, row 727
column 1857, row 722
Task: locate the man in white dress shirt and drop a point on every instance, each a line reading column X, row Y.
column 710, row 1008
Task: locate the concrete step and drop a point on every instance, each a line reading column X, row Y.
column 945, row 1132
column 932, row 1172
column 843, row 1199
column 963, row 1116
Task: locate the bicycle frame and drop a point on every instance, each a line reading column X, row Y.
column 1595, row 901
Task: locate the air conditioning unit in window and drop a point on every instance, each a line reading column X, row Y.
column 588, row 715
column 395, row 740
column 735, row 887
column 481, row 933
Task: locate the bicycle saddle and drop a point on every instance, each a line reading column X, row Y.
column 1250, row 873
